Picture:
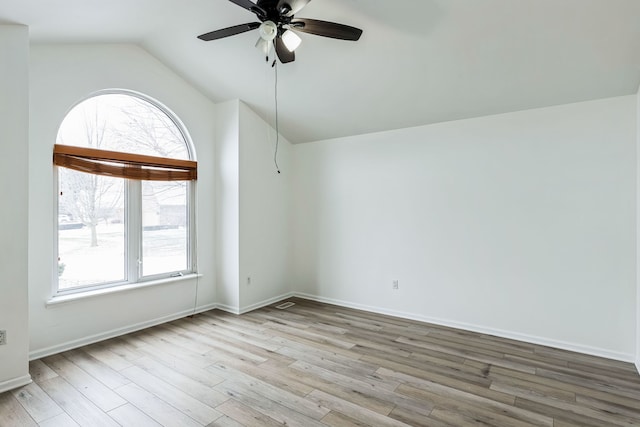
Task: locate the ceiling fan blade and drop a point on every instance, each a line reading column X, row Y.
column 230, row 31
column 251, row 6
column 283, row 53
column 326, row 29
column 292, row 6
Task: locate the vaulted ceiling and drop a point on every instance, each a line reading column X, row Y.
column 418, row 61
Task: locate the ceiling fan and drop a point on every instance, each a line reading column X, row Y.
column 278, row 26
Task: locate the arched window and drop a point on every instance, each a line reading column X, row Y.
column 126, row 173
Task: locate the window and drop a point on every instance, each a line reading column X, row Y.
column 125, row 190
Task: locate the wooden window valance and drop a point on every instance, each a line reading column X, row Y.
column 124, row 165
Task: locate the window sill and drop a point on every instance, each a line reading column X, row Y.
column 78, row 296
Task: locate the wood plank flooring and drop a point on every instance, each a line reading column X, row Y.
column 320, row 365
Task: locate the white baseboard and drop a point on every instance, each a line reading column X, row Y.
column 15, row 383
column 247, row 309
column 204, row 308
column 228, row 308
column 579, row 348
column 266, row 302
column 37, row 354
column 70, row 345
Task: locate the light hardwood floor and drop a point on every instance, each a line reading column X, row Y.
column 317, row 365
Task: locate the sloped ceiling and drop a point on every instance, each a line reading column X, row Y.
column 418, row 61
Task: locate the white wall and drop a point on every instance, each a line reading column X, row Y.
column 60, row 76
column 638, row 232
column 264, row 213
column 227, row 217
column 253, row 210
column 520, row 225
column 14, row 139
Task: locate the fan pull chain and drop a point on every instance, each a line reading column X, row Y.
column 275, row 154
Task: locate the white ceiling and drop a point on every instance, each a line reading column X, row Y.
column 418, row 61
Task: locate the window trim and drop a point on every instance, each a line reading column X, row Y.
column 64, row 298
column 168, row 166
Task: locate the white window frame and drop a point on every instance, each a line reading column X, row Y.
column 133, row 219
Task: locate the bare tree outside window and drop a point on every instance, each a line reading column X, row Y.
column 149, row 131
column 84, row 197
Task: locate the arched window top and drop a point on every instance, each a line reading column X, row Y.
column 128, row 122
column 125, row 135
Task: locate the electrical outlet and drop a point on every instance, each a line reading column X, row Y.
column 395, row 284
column 248, row 280
column 3, row 337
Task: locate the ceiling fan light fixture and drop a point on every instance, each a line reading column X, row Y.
column 264, row 46
column 268, row 30
column 278, row 27
column 291, row 40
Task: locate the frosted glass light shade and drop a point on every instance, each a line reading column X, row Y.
column 264, row 46
column 291, row 40
column 268, row 30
